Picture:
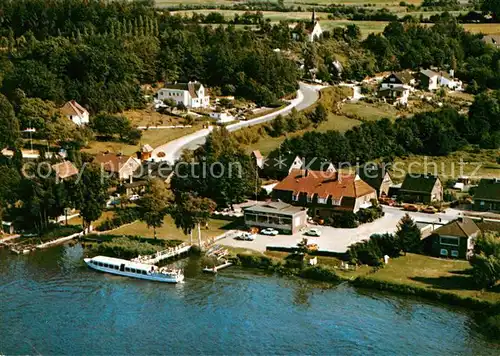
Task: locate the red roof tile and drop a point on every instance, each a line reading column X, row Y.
column 324, row 184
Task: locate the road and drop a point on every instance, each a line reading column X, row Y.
column 171, row 151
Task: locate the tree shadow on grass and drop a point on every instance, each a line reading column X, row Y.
column 464, row 272
column 448, row 282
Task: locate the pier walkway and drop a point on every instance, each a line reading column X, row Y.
column 163, row 255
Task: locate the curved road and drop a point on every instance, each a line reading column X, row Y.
column 306, row 96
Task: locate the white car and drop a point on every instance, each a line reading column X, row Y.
column 269, row 232
column 246, row 236
column 134, row 197
column 313, row 232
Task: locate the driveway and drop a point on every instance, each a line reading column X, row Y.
column 306, row 96
column 338, row 240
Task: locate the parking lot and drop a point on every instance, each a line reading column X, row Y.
column 336, row 239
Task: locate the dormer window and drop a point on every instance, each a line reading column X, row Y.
column 295, row 197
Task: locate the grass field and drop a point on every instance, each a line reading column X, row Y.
column 370, row 112
column 170, row 232
column 151, row 137
column 105, row 215
column 450, row 276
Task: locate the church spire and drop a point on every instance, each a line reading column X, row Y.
column 314, row 16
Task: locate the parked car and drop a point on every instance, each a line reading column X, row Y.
column 410, row 207
column 134, row 197
column 313, row 232
column 387, row 201
column 312, row 247
column 245, row 236
column 430, row 210
column 269, row 232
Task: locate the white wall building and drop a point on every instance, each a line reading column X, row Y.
column 76, row 113
column 222, row 117
column 191, row 94
column 448, row 80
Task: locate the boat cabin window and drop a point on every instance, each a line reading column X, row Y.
column 99, row 263
column 144, row 272
column 116, row 267
column 106, row 265
column 127, row 269
column 132, row 270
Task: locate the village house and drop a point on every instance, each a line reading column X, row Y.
column 325, row 193
column 396, row 87
column 145, row 152
column 448, row 80
column 222, row 117
column 258, row 159
column 492, row 40
column 123, row 167
column 278, row 165
column 377, row 177
column 65, row 170
column 281, row 216
column 487, row 195
column 430, row 80
column 455, row 239
column 191, row 94
column 312, row 28
column 421, row 188
column 75, row 112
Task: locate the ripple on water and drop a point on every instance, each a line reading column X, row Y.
column 53, row 304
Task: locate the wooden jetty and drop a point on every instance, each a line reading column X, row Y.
column 216, row 269
column 163, row 255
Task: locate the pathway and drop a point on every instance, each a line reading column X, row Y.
column 171, row 151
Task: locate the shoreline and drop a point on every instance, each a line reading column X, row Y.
column 486, row 312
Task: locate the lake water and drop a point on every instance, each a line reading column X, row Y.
column 51, row 303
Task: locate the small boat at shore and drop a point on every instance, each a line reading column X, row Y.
column 134, row 269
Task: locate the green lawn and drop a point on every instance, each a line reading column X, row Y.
column 105, row 215
column 170, row 232
column 450, row 276
column 152, row 137
column 370, row 112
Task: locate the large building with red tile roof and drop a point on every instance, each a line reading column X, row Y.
column 326, row 193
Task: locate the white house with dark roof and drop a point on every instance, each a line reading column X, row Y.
column 313, row 29
column 191, row 94
column 76, row 113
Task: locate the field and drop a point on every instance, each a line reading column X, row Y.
column 170, row 232
column 152, row 137
column 366, row 27
column 369, row 112
column 450, row 276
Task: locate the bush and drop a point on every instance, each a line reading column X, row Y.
column 126, row 248
column 372, row 251
column 255, row 261
column 369, row 214
column 320, row 273
column 347, row 220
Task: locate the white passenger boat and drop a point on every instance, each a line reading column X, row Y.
column 134, row 269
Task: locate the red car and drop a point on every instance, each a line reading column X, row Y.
column 410, row 207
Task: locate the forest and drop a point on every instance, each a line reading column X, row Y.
column 100, row 54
